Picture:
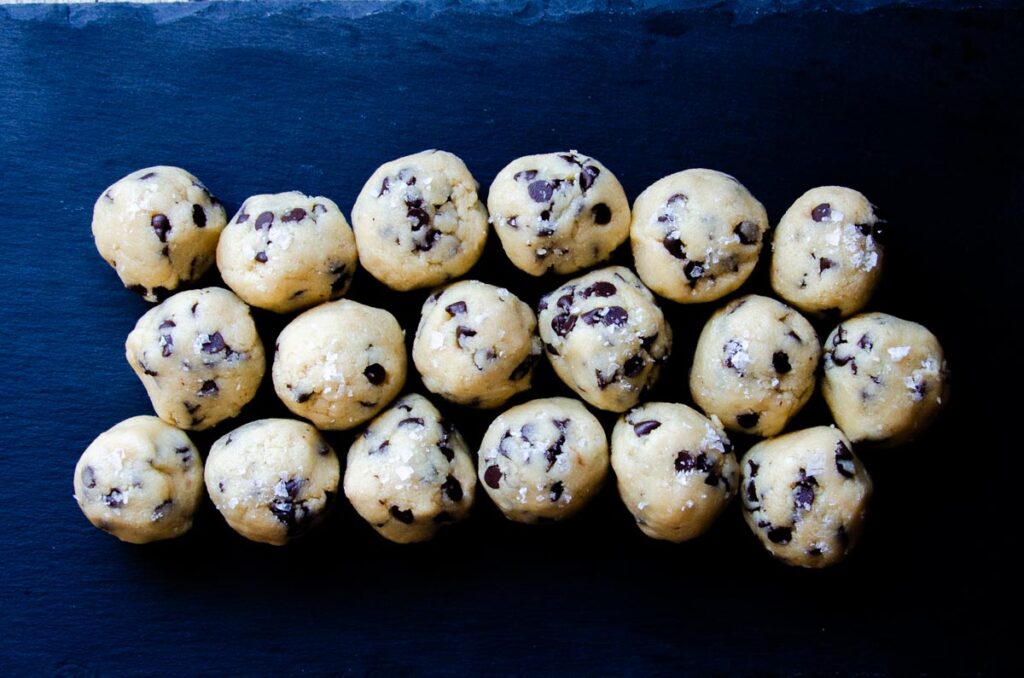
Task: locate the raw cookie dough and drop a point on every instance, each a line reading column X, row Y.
column 141, row 481
column 605, row 336
column 696, row 235
column 558, row 211
column 410, row 472
column 543, row 460
column 476, row 344
column 885, row 378
column 675, row 468
column 754, row 365
column 340, row 363
column 805, row 495
column 826, row 256
column 158, row 228
column 287, row 251
column 199, row 357
column 419, row 221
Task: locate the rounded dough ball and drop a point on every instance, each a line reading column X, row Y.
column 419, row 221
column 272, row 479
column 476, row 344
column 675, row 468
column 754, row 365
column 826, row 255
column 543, row 460
column 340, row 363
column 605, row 336
column 885, row 378
column 199, row 357
column 287, row 251
column 805, row 495
column 696, row 235
column 158, row 228
column 410, row 472
column 558, row 211
column 141, row 481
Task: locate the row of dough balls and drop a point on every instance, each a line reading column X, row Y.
column 418, row 222
column 410, row 472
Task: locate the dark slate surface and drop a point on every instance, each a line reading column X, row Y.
column 918, row 108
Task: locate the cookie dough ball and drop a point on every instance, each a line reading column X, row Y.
column 410, row 472
column 476, row 344
column 199, row 357
column 805, row 495
column 158, row 228
column 826, row 254
column 675, row 468
column 340, row 363
column 754, row 365
column 287, row 251
column 543, row 460
column 558, row 211
column 696, row 235
column 885, row 378
column 419, row 222
column 141, row 481
column 605, row 337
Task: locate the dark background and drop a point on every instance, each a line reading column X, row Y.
column 918, row 108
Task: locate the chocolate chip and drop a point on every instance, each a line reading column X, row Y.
column 684, row 461
column 780, row 535
column 380, row 449
column 340, row 273
column 147, row 175
column 323, row 449
column 214, row 344
column 554, row 451
column 318, row 209
column 453, row 488
column 419, row 217
column 303, row 397
column 642, row 428
column 544, row 216
column 525, row 175
column 199, row 216
column 606, row 315
column 561, row 424
column 565, row 302
column 545, row 231
column 456, row 308
column 751, row 492
column 634, row 366
column 444, row 444
column 263, row 221
column 161, row 511
column 748, row 419
column 814, row 551
column 556, row 491
column 647, row 343
column 162, row 225
column 411, row 421
column 261, row 257
column 492, row 476
column 285, row 508
column 430, row 238
column 821, row 212
column 865, row 229
column 385, row 187
column 844, row 460
column 89, row 477
column 587, row 177
column 115, row 499
column 209, row 388
column 599, row 289
column 747, row 232
column 693, row 270
column 603, row 380
column 602, row 213
column 375, row 374
column 241, row 217
column 551, row 349
column 563, row 324
column 780, row 361
column 731, row 349
column 463, row 331
column 541, row 191
column 166, row 340
column 678, row 197
column 796, row 337
column 513, row 221
column 296, row 214
column 840, row 336
column 865, row 342
column 824, row 264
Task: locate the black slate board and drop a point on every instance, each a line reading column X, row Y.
column 917, row 107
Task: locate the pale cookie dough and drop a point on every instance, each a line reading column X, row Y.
column 199, row 357
column 605, row 336
column 754, row 365
column 805, row 495
column 141, row 481
column 410, row 472
column 696, row 235
column 419, row 222
column 158, row 228
column 476, row 344
column 826, row 254
column 675, row 468
column 340, row 363
column 272, row 479
column 885, row 378
column 558, row 212
column 543, row 460
column 287, row 251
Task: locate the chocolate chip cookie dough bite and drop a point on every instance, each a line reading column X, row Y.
column 287, row 251
column 543, row 460
column 558, row 212
column 141, row 481
column 805, row 496
column 476, row 344
column 339, row 364
column 754, row 365
column 605, row 336
column 409, row 473
column 419, row 222
column 696, row 235
column 826, row 252
column 885, row 378
column 199, row 356
column 272, row 479
column 158, row 228
column 675, row 469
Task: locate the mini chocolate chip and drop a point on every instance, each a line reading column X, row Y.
column 492, row 476
column 296, row 214
column 606, row 315
column 513, row 222
column 751, row 492
column 561, row 424
column 463, row 331
column 540, row 191
column 565, row 301
column 634, row 366
column 456, row 308
column 554, row 451
column 411, row 421
column 147, row 175
column 138, row 289
column 747, row 232
column 319, row 209
column 684, row 461
column 214, row 343
column 803, row 491
column 678, row 197
column 693, row 270
column 587, row 177
column 545, row 231
column 375, row 374
column 603, row 380
column 748, row 419
column 89, row 477
column 115, row 499
column 754, row 467
column 599, row 289
column 263, row 221
column 419, row 217
column 453, row 488
column 303, row 397
column 162, row 225
column 525, row 175
column 840, row 337
column 865, row 229
column 380, row 449
column 647, row 343
column 821, row 212
column 865, row 342
column 340, row 273
column 602, row 213
column 563, row 324
column 430, row 239
column 385, row 187
column 780, row 535
column 161, row 511
column 199, row 216
column 780, row 361
column 556, row 491
column 544, row 216
column 642, row 428
column 209, row 388
column 367, row 404
column 261, row 257
column 844, row 460
column 824, row 264
column 814, row 551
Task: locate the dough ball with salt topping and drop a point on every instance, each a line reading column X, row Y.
column 675, row 468
column 826, row 253
column 605, row 336
column 543, row 460
column 409, row 474
column 476, row 344
column 885, row 378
